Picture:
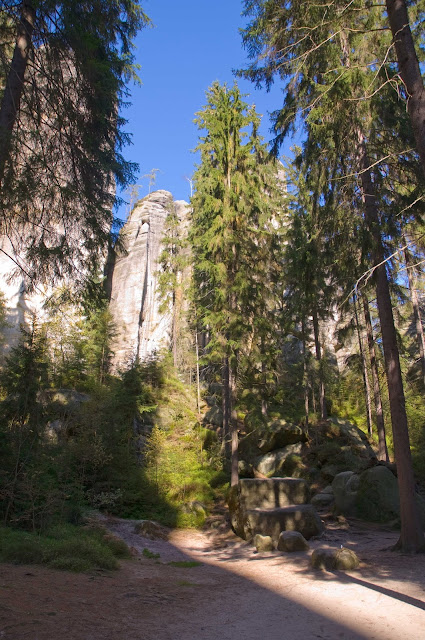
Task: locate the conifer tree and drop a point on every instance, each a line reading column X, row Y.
column 60, row 130
column 234, row 190
column 326, row 58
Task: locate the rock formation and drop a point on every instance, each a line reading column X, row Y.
column 22, row 306
column 142, row 328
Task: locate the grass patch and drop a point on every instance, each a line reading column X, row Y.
column 150, row 554
column 185, row 564
column 67, row 547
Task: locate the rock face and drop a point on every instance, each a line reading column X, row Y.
column 22, row 307
column 270, row 506
column 143, row 328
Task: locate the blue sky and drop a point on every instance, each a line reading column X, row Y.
column 193, row 43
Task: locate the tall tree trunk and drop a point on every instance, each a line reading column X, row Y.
column 15, row 83
column 264, row 406
column 366, row 385
column 416, row 310
column 226, row 406
column 409, row 70
column 380, row 422
column 263, row 399
column 198, row 384
column 322, row 391
column 234, row 457
column 305, row 374
column 412, row 537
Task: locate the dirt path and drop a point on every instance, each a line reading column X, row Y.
column 234, row 594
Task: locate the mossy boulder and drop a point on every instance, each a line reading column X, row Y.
column 302, row 518
column 292, row 541
column 279, row 434
column 263, row 543
column 373, row 495
column 344, row 487
column 255, row 495
column 272, row 463
column 377, row 497
column 214, row 416
column 245, row 469
column 334, row 559
column 271, row 493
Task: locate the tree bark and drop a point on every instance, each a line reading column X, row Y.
column 305, row 375
column 322, row 390
column 234, row 456
column 409, row 69
column 366, row 385
column 416, row 310
column 412, row 537
column 380, row 422
column 15, row 83
column 226, row 406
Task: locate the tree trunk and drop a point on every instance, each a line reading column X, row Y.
column 409, row 70
column 380, row 422
column 234, row 479
column 412, row 538
column 198, row 384
column 416, row 311
column 226, row 406
column 366, row 385
column 15, row 83
column 305, row 375
column 322, row 391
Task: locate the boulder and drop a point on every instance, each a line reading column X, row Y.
column 196, row 507
column 373, row 495
column 269, row 493
column 273, row 462
column 263, row 494
column 245, row 469
column 322, row 500
column 334, row 559
column 344, row 487
column 280, row 434
column 355, row 437
column 302, row 518
column 377, row 498
column 263, row 543
column 214, row 416
column 291, row 541
column 150, row 529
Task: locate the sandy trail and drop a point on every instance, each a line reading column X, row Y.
column 234, row 593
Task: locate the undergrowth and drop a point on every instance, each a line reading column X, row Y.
column 65, row 547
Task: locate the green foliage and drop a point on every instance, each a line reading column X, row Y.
column 81, row 59
column 149, row 554
column 67, row 548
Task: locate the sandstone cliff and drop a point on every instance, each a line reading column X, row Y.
column 142, row 329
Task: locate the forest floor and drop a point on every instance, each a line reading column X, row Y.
column 225, row 591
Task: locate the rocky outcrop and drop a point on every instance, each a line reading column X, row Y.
column 373, row 495
column 143, row 328
column 23, row 307
column 270, row 506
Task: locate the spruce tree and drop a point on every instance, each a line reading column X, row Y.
column 326, row 59
column 231, row 229
column 61, row 132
